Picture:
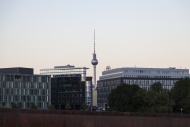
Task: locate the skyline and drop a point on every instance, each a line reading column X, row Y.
column 44, row 34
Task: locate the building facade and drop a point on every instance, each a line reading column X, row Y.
column 22, row 87
column 70, row 89
column 69, row 85
column 144, row 77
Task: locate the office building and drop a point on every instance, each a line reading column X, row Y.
column 144, row 77
column 20, row 86
column 69, row 85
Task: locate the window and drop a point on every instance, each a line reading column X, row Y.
column 39, row 79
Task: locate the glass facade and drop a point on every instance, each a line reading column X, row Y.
column 68, row 72
column 68, row 89
column 24, row 89
column 88, row 93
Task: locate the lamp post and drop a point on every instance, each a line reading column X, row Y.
column 181, row 110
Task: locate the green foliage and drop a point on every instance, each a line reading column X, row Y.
column 51, row 106
column 33, row 106
column 1, row 106
column 108, row 110
column 4, row 106
column 67, row 106
column 157, row 86
column 158, row 99
column 132, row 98
column 158, row 102
column 14, row 105
column 181, row 95
column 123, row 98
column 84, row 105
column 141, row 101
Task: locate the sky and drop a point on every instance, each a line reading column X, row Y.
column 129, row 33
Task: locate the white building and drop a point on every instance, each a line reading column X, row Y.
column 144, row 77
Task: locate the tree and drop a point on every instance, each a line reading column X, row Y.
column 14, row 105
column 51, row 106
column 157, row 86
column 141, row 101
column 33, row 106
column 158, row 99
column 181, row 95
column 158, row 102
column 125, row 98
column 84, row 105
column 132, row 98
column 67, row 106
column 3, row 104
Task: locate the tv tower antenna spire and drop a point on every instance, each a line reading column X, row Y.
column 94, row 63
column 94, row 40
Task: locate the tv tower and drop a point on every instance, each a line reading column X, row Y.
column 94, row 63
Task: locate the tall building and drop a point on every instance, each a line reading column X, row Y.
column 69, row 85
column 144, row 77
column 94, row 63
column 67, row 89
column 20, row 86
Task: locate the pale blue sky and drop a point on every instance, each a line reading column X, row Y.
column 141, row 33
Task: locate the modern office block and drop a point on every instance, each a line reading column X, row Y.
column 24, row 89
column 67, row 89
column 144, row 77
column 69, row 85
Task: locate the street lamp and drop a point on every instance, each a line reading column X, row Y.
column 181, row 110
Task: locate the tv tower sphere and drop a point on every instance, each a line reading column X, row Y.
column 94, row 60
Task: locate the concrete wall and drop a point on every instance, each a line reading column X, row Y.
column 52, row 118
